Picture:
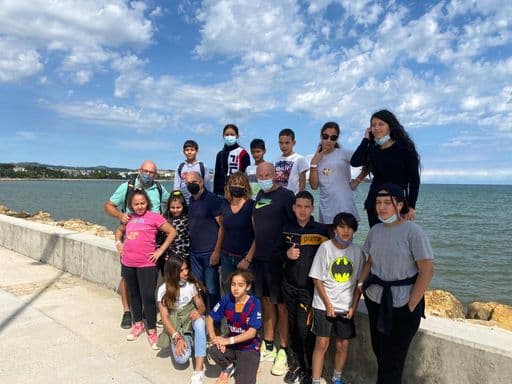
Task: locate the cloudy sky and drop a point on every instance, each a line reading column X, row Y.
column 97, row 82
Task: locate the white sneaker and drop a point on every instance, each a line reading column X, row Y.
column 197, row 377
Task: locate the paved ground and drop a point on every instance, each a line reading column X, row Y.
column 55, row 327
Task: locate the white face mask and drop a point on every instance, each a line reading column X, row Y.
column 229, row 140
column 383, row 140
column 265, row 185
column 390, row 220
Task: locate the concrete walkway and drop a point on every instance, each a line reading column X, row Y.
column 55, row 327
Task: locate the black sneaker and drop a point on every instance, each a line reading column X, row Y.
column 306, row 379
column 294, row 375
column 126, row 321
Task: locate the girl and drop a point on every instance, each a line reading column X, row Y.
column 176, row 215
column 389, row 154
column 181, row 309
column 242, row 312
column 230, row 159
column 139, row 255
column 330, row 171
column 238, row 234
column 397, row 273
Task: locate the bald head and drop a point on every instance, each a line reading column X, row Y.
column 265, row 171
column 148, row 166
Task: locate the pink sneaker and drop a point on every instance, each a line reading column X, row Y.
column 153, row 340
column 137, row 329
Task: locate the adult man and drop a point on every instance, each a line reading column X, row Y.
column 116, row 207
column 204, row 223
column 272, row 209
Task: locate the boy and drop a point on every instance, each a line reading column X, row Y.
column 257, row 152
column 191, row 164
column 302, row 237
column 335, row 272
column 291, row 167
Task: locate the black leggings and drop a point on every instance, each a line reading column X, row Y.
column 142, row 284
column 391, row 350
column 246, row 363
column 302, row 341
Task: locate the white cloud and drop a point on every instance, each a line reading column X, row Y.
column 17, row 61
column 112, row 115
column 84, row 30
column 26, row 135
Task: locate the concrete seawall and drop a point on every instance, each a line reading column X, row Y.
column 444, row 351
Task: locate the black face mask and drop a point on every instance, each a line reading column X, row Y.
column 193, row 188
column 237, row 191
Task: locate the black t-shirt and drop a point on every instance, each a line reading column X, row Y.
column 271, row 211
column 238, row 231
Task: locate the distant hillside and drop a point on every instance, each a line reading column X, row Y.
column 44, row 171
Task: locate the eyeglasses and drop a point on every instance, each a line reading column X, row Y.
column 176, row 193
column 147, row 171
column 325, row 136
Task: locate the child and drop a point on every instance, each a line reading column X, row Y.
column 176, row 215
column 302, row 237
column 257, row 152
column 291, row 167
column 230, row 159
column 182, row 309
column 241, row 347
column 139, row 255
column 191, row 164
column 335, row 272
column 399, row 269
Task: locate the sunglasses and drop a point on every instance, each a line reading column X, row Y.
column 325, row 136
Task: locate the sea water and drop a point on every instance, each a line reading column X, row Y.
column 469, row 226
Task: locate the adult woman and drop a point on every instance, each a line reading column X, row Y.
column 238, row 233
column 398, row 271
column 330, row 171
column 389, row 154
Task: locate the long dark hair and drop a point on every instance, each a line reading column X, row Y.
column 172, row 271
column 397, row 133
column 176, row 195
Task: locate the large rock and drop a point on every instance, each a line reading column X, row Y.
column 443, row 304
column 500, row 314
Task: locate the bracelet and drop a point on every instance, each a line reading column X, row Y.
column 246, row 259
column 231, row 340
column 174, row 334
column 360, row 286
column 313, row 166
column 117, row 242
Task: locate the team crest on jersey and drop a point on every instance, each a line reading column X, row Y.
column 341, row 269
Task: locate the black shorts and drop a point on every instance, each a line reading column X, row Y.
column 267, row 280
column 340, row 327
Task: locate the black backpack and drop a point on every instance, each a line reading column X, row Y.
column 131, row 187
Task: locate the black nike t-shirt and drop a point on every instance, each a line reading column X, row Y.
column 271, row 211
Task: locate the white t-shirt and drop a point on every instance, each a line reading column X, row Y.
column 250, row 171
column 334, row 184
column 179, row 180
column 338, row 269
column 187, row 293
column 288, row 169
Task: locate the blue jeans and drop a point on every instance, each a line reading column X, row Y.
column 199, row 343
column 207, row 274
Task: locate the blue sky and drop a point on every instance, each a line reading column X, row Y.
column 91, row 82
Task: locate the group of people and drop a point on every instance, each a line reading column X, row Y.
column 239, row 271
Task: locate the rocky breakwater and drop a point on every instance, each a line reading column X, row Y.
column 76, row 225
column 444, row 304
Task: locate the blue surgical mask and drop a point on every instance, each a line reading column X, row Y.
column 146, row 179
column 229, row 140
column 342, row 242
column 265, row 185
column 390, row 220
column 383, row 140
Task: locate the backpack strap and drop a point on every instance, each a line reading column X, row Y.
column 129, row 188
column 202, row 169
